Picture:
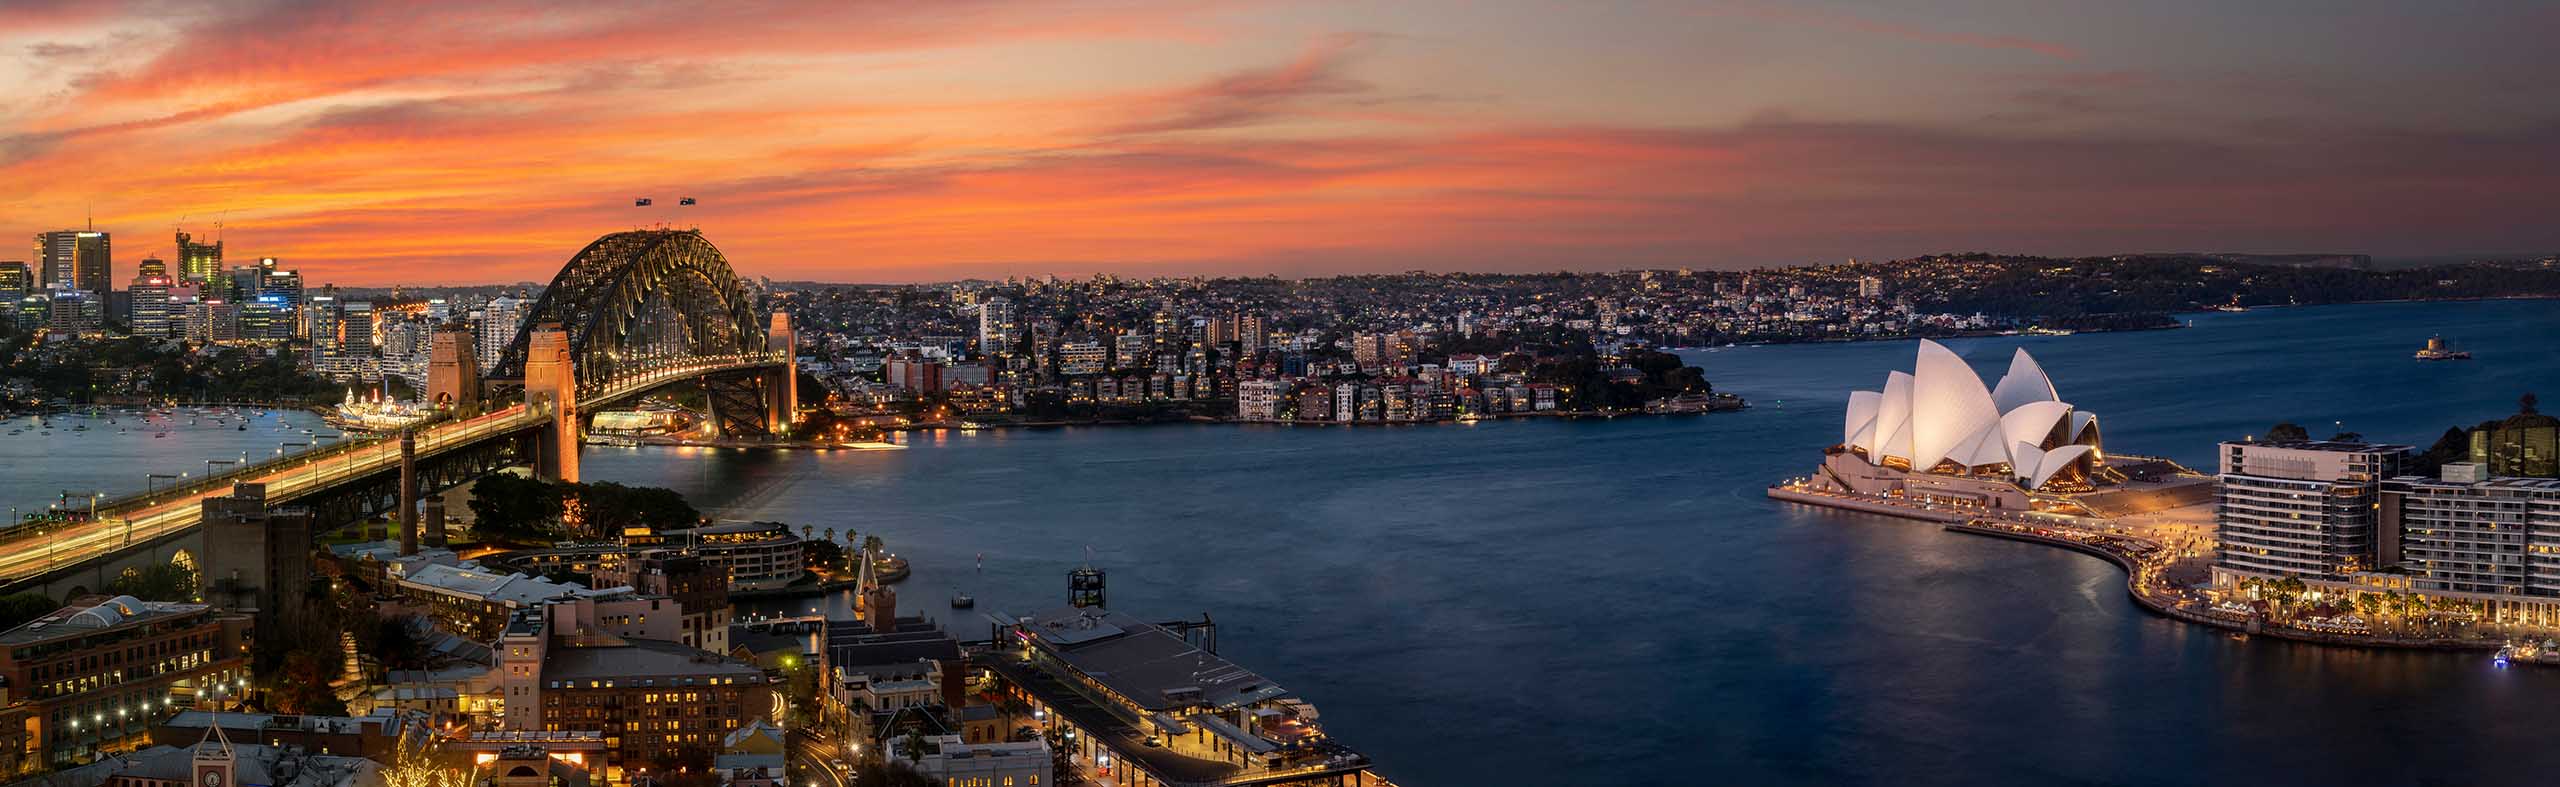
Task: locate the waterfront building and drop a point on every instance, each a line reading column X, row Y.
column 913, row 371
column 200, row 263
column 1147, row 705
column 659, row 704
column 753, row 555
column 1262, row 400
column 85, row 680
column 2526, row 444
column 2466, row 531
column 2302, row 507
column 76, row 260
column 949, row 761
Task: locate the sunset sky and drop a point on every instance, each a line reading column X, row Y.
column 376, row 142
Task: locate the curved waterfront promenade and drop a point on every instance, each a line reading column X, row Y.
column 2142, row 577
column 2141, row 574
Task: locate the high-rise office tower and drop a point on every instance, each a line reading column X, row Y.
column 284, row 286
column 16, row 281
column 76, row 260
column 150, row 293
column 198, row 262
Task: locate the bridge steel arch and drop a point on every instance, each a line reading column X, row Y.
column 633, row 297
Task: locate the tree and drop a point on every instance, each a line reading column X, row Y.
column 606, row 508
column 18, row 608
column 2286, row 432
column 157, row 582
column 511, row 507
column 872, row 544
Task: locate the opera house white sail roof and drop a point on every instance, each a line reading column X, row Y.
column 1941, row 413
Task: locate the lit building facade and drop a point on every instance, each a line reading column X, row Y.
column 2302, row 508
column 87, row 679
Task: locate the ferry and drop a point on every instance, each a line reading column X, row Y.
column 2437, row 350
column 376, row 414
column 2231, row 307
column 2043, row 331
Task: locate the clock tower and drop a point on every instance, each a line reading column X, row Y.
column 214, row 759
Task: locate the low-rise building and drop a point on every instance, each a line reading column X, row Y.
column 1147, row 705
column 86, row 679
column 659, row 704
column 951, row 762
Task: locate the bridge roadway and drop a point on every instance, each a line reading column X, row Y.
column 36, row 548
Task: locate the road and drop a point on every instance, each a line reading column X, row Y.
column 817, row 760
column 35, row 549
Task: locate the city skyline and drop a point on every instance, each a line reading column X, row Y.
column 360, row 141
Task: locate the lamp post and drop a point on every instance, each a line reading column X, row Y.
column 314, row 463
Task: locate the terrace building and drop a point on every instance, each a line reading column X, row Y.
column 86, row 679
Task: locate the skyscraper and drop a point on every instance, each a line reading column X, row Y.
column 76, row 259
column 284, row 286
column 198, row 262
column 15, row 281
column 150, row 292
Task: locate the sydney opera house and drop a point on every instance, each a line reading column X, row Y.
column 1938, row 436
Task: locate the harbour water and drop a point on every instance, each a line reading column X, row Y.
column 1614, row 602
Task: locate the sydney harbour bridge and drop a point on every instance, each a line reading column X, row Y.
column 630, row 314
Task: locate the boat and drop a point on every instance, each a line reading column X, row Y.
column 962, row 601
column 2437, row 350
column 2231, row 307
column 2506, row 655
column 377, row 413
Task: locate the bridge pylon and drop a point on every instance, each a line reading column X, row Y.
column 782, row 389
column 550, row 378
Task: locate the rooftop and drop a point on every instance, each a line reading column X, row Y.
column 643, row 659
column 1141, row 661
column 91, row 614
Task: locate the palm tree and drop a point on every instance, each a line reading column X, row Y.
column 831, row 535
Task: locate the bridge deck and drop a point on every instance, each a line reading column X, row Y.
column 34, row 549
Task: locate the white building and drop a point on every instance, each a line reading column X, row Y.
column 1261, row 400
column 957, row 764
column 998, row 327
column 2301, row 508
column 499, row 321
column 2464, row 531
